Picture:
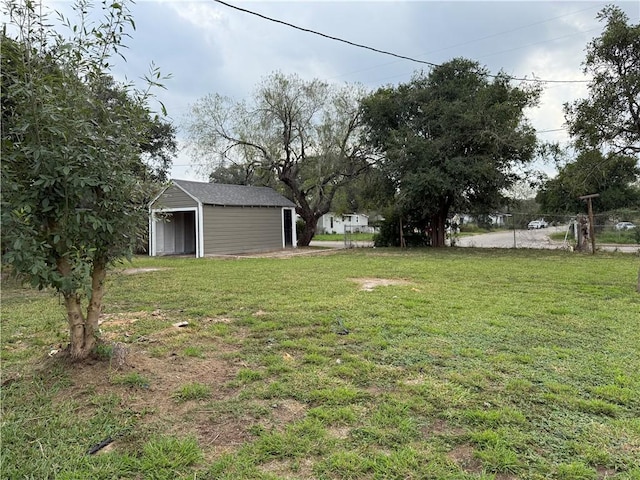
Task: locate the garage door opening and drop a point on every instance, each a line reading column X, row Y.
column 175, row 234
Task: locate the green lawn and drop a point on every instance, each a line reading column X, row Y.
column 339, row 237
column 622, row 237
column 476, row 364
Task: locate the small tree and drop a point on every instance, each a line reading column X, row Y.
column 72, row 203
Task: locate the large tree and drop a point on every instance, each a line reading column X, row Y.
column 303, row 133
column 611, row 176
column 610, row 117
column 72, row 198
column 450, row 139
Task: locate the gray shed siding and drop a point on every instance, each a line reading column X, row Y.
column 229, row 230
column 173, row 197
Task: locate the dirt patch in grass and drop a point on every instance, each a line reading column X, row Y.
column 135, row 271
column 121, row 326
column 219, row 436
column 284, row 469
column 147, row 384
column 462, row 455
column 604, row 472
column 368, row 284
column 287, row 411
column 340, row 433
column 441, row 427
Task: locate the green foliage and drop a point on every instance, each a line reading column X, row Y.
column 389, row 234
column 449, row 139
column 67, row 191
column 612, row 176
column 610, row 115
column 73, row 188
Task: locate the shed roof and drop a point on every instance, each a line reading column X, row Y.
column 233, row 195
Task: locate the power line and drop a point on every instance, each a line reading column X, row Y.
column 476, row 40
column 383, row 52
column 552, row 130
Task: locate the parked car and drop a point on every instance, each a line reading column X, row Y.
column 624, row 226
column 536, row 224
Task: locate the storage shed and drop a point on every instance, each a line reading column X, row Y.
column 198, row 218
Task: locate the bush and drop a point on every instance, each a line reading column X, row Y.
column 389, row 235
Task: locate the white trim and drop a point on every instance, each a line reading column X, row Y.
column 294, row 240
column 152, row 233
column 294, row 232
column 200, row 231
column 283, row 228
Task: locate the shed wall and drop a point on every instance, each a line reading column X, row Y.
column 229, row 230
column 173, row 197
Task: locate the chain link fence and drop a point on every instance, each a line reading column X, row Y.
column 619, row 230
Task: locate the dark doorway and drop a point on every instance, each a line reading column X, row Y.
column 288, row 229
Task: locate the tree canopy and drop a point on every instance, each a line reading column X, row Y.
column 73, row 192
column 302, row 133
column 609, row 118
column 450, row 139
column 611, row 176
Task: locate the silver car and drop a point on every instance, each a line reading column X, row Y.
column 536, row 224
column 624, row 226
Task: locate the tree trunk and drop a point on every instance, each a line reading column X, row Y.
column 438, row 230
column 78, row 348
column 308, row 231
column 82, row 330
column 98, row 275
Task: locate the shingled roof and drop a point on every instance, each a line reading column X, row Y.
column 233, row 195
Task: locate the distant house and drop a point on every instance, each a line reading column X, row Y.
column 349, row 222
column 198, row 218
column 494, row 219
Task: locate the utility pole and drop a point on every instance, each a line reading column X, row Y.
column 592, row 233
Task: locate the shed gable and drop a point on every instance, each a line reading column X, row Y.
column 173, row 197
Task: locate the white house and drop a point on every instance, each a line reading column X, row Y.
column 495, row 219
column 349, row 222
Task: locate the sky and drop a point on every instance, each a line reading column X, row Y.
column 208, row 47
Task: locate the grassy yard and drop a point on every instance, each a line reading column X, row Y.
column 622, row 237
column 362, row 364
column 339, row 237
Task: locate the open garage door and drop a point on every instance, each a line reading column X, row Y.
column 175, row 234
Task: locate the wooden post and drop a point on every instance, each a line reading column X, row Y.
column 592, row 232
